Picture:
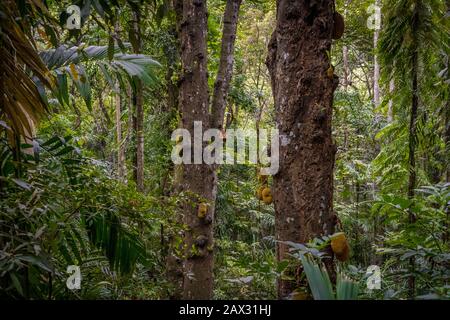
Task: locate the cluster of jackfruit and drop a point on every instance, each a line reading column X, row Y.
column 264, row 193
column 340, row 246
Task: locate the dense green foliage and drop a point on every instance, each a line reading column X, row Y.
column 62, row 202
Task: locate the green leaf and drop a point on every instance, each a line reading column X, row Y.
column 16, row 283
column 62, row 89
column 22, row 184
column 99, row 8
column 37, row 261
column 136, row 65
column 83, row 86
column 318, row 280
column 346, row 289
column 50, row 141
column 64, row 151
column 107, row 75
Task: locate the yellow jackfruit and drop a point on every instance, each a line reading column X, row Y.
column 340, row 247
column 344, row 255
column 266, row 192
column 267, row 196
column 74, row 71
column 338, row 243
column 202, row 210
column 268, row 200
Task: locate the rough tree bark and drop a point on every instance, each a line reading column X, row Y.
column 200, row 179
column 303, row 93
column 174, row 262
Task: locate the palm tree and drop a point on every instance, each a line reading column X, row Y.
column 409, row 36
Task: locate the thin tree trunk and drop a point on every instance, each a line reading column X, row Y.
column 298, row 62
column 200, row 179
column 345, row 81
column 130, row 124
column 174, row 262
column 223, row 78
column 139, row 107
column 225, row 72
column 390, row 117
column 447, row 131
column 101, row 127
column 375, row 259
column 412, row 143
column 118, row 120
column 446, row 163
column 102, row 107
column 120, row 146
column 376, row 67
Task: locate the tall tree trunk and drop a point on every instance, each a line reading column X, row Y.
column 197, row 179
column 346, row 80
column 376, row 68
column 223, row 79
column 101, row 126
column 120, row 144
column 200, row 179
column 376, row 74
column 447, row 131
column 412, row 140
column 376, row 259
column 138, row 106
column 174, row 262
column 298, row 61
column 447, row 141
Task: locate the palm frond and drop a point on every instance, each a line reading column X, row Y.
column 22, row 104
column 318, row 279
column 65, row 60
column 321, row 286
